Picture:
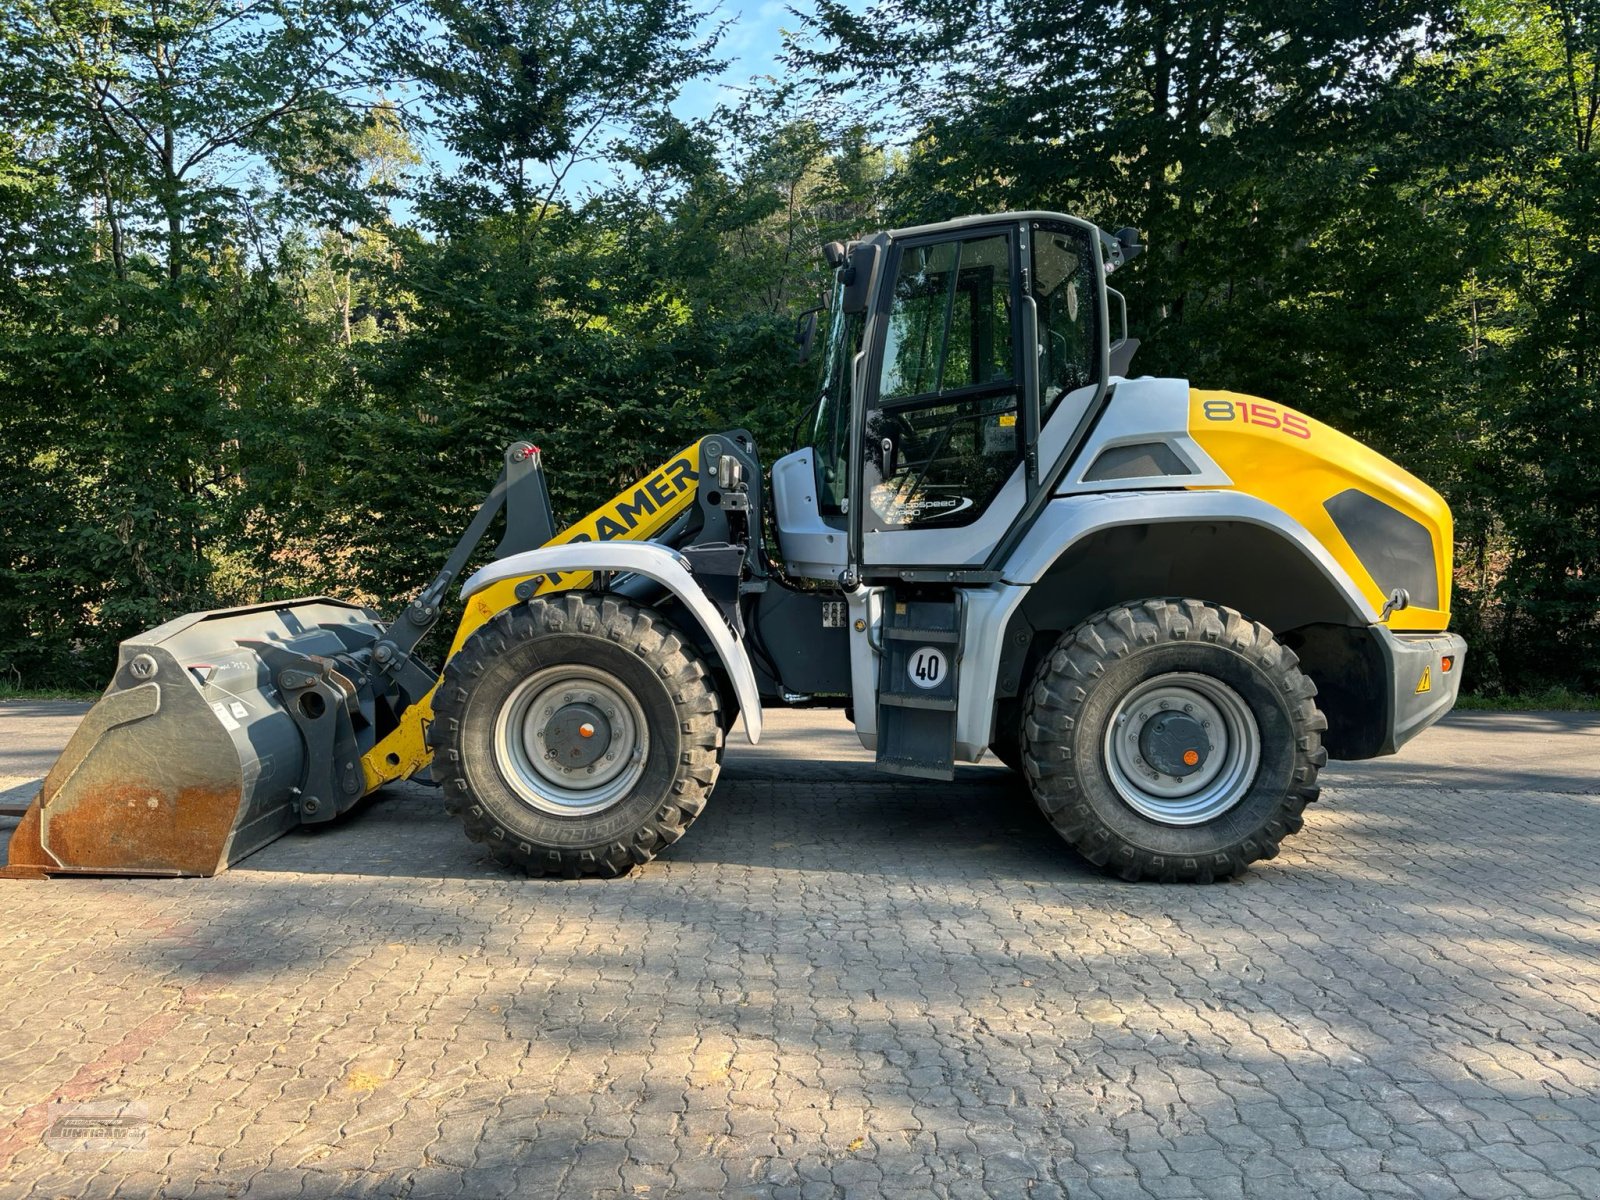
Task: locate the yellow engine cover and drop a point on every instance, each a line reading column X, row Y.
column 1298, row 464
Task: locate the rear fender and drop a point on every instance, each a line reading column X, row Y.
column 1068, row 522
column 668, row 568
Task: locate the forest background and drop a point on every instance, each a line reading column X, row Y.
column 279, row 280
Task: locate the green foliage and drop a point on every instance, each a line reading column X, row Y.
column 233, row 367
column 527, row 89
column 157, row 111
column 1551, row 699
column 146, row 343
column 10, row 691
column 597, row 354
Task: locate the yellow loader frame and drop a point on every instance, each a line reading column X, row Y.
column 637, row 513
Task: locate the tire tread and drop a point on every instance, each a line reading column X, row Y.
column 688, row 684
column 1064, row 682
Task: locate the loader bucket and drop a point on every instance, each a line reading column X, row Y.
column 192, row 758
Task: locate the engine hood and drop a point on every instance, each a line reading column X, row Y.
column 1381, row 523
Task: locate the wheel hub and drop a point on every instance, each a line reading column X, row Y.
column 571, row 740
column 1182, row 748
column 578, row 735
column 1174, row 743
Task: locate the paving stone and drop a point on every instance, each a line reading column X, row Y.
column 839, row 984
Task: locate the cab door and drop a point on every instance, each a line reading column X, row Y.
column 942, row 437
column 985, row 357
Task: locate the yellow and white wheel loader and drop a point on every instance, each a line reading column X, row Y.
column 1165, row 607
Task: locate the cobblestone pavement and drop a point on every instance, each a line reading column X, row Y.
column 839, row 984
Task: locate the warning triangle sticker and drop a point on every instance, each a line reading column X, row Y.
column 1425, row 684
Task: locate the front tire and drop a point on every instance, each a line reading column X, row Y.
column 576, row 735
column 1173, row 740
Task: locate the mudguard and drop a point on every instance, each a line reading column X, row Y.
column 668, row 568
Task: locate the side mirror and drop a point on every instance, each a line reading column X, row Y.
column 1120, row 248
column 858, row 278
column 805, row 333
column 1122, row 346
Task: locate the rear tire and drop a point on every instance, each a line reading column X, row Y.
column 1099, row 757
column 576, row 735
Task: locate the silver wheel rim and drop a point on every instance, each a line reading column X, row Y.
column 525, row 741
column 1218, row 783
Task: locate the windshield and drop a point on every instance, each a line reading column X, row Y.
column 831, row 436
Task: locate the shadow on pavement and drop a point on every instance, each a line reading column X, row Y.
column 814, row 817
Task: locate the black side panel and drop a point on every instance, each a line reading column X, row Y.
column 1140, row 461
column 1395, row 548
column 799, row 641
column 918, row 686
column 1353, row 688
column 1122, row 355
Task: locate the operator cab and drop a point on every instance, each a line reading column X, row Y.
column 961, row 363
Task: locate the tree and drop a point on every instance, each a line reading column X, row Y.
column 525, row 91
column 1161, row 115
column 1538, row 70
column 164, row 105
column 148, row 349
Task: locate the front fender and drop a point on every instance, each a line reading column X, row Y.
column 666, row 567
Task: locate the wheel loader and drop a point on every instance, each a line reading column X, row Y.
column 1164, row 607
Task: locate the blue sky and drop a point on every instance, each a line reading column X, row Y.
column 751, row 45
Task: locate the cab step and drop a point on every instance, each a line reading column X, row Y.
column 918, row 677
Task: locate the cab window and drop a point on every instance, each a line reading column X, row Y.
column 1065, row 297
column 830, row 436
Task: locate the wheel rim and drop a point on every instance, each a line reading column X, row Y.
column 571, row 740
column 1182, row 748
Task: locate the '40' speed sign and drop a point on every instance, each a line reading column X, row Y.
column 927, row 667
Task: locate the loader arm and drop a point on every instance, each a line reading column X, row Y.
column 221, row 731
column 639, row 512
